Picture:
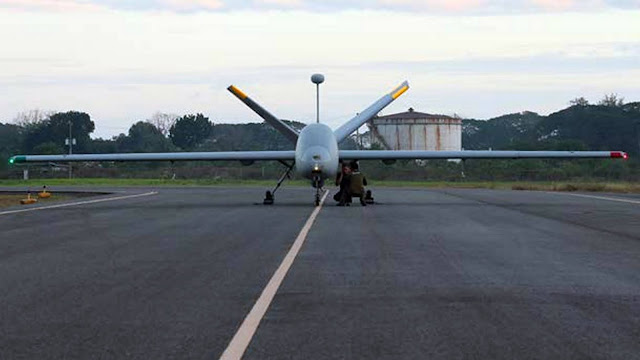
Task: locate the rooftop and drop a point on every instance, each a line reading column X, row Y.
column 412, row 114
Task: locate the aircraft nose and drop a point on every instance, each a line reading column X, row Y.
column 317, row 155
column 316, row 158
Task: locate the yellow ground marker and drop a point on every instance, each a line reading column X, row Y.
column 28, row 200
column 44, row 194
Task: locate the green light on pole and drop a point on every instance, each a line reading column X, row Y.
column 11, row 160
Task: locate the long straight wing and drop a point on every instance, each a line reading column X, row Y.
column 474, row 154
column 278, row 124
column 171, row 156
column 350, row 126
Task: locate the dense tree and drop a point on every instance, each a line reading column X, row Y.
column 48, row 148
column 589, row 127
column 584, row 127
column 55, row 129
column 10, row 141
column 81, row 128
column 103, row 146
column 190, row 130
column 500, row 132
column 143, row 137
column 598, row 127
column 252, row 136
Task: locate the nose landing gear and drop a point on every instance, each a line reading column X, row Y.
column 317, row 183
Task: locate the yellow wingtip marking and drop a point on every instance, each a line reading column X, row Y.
column 399, row 91
column 237, row 92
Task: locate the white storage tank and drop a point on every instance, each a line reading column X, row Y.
column 413, row 130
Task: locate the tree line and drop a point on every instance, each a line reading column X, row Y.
column 44, row 133
column 608, row 125
column 37, row 132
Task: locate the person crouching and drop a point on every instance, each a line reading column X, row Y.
column 344, row 180
column 357, row 182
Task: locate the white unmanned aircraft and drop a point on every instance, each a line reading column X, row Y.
column 316, row 155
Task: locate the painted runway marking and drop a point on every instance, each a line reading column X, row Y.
column 243, row 336
column 77, row 203
column 606, row 198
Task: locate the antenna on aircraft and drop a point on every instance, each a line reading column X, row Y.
column 317, row 79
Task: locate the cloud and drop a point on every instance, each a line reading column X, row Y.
column 555, row 5
column 51, row 5
column 280, row 3
column 123, row 66
column 188, row 5
column 446, row 5
column 428, row 6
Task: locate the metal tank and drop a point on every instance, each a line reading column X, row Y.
column 413, row 130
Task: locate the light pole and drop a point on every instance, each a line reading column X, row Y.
column 317, row 79
column 317, row 181
column 70, row 141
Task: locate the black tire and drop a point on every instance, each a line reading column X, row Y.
column 268, row 198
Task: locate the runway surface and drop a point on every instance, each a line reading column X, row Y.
column 425, row 274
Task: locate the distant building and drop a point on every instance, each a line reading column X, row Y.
column 413, row 130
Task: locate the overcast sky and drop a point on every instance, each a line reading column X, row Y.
column 121, row 61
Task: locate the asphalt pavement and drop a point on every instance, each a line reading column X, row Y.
column 424, row 274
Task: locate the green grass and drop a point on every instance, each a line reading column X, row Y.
column 620, row 187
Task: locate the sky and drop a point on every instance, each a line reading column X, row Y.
column 121, row 61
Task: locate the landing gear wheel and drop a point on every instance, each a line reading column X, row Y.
column 268, row 198
column 317, row 202
column 368, row 198
column 317, row 183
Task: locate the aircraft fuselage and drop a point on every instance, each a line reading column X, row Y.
column 317, row 153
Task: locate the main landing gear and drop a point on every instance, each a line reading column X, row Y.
column 269, row 195
column 317, row 182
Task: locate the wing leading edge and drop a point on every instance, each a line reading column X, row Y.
column 475, row 154
column 350, row 126
column 172, row 156
column 278, row 124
